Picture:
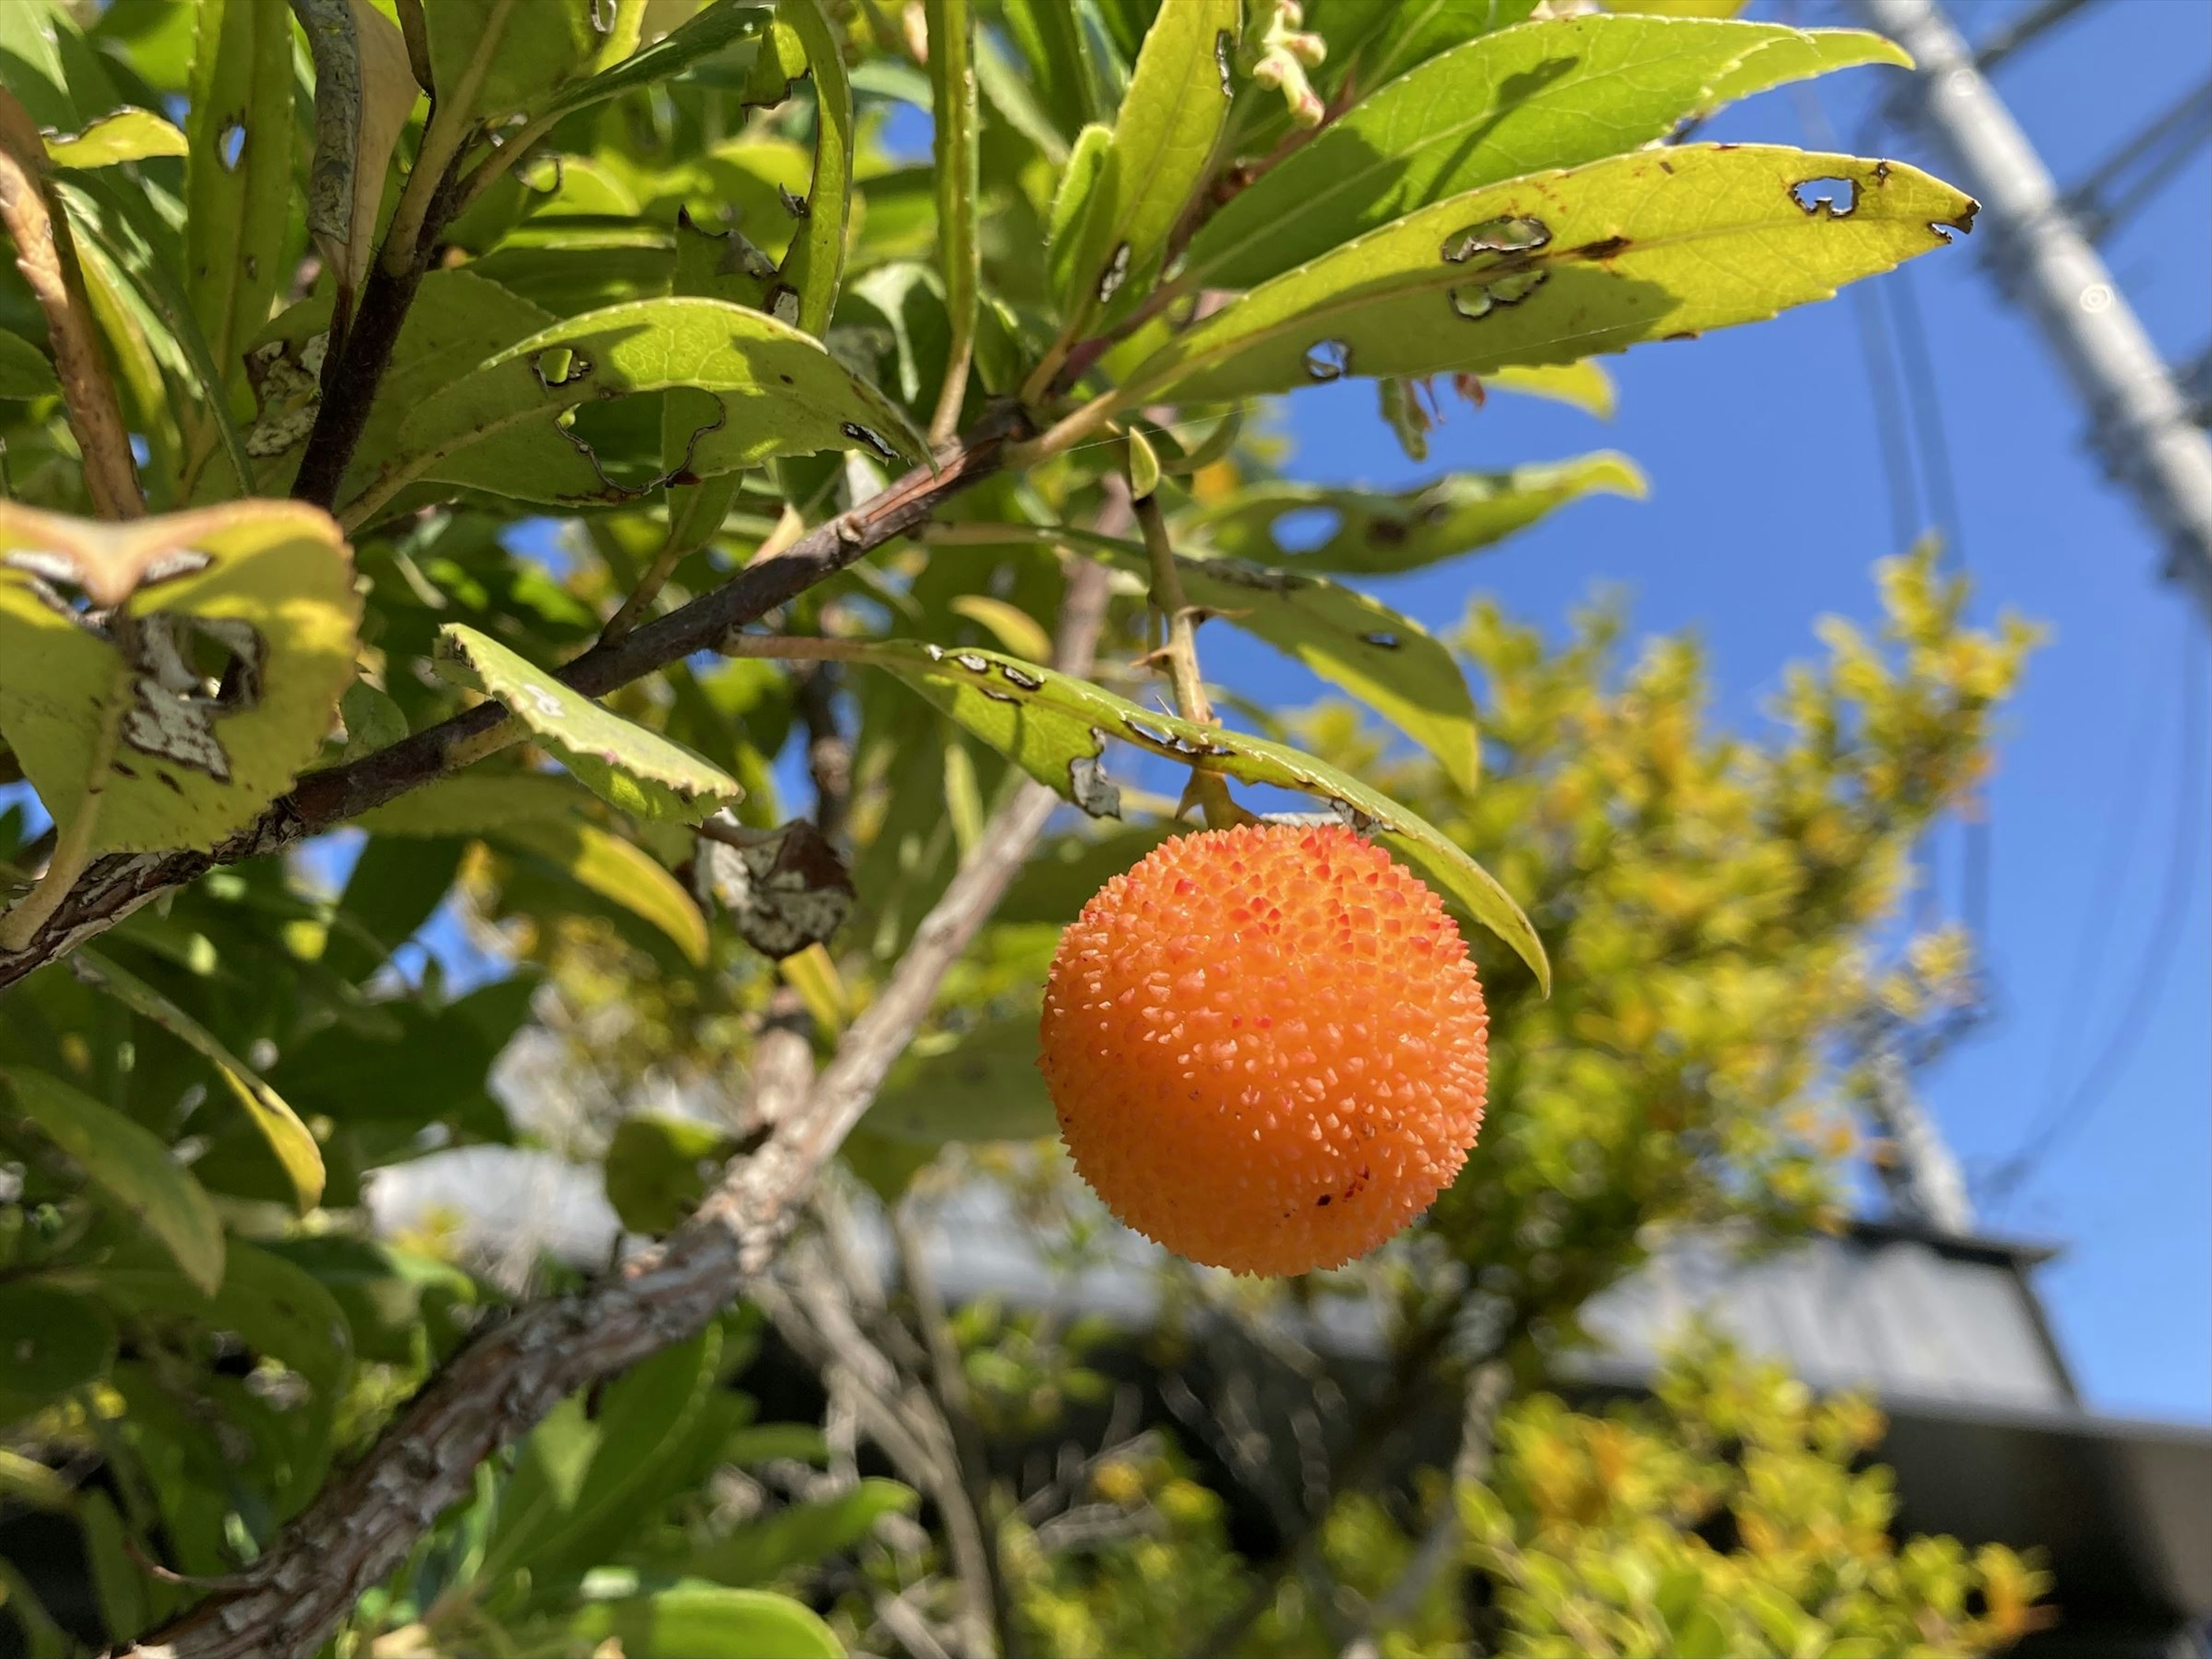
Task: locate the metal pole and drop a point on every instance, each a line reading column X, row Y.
column 2139, row 421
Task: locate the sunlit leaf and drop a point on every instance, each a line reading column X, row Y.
column 639, row 772
column 1545, row 94
column 1056, row 727
column 172, row 675
column 501, row 57
column 709, row 1622
column 1163, row 138
column 816, row 267
column 618, row 870
column 125, row 134
column 1560, row 266
column 779, row 393
column 128, row 1164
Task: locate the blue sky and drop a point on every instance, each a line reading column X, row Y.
column 1769, row 501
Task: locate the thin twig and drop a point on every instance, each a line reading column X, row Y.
column 48, row 261
column 116, row 885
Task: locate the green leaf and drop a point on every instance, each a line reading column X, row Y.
column 1162, row 142
column 501, row 57
column 618, row 870
column 130, row 1167
column 779, row 392
column 1071, row 204
column 122, row 722
column 236, row 199
column 951, row 31
column 1545, row 94
column 703, row 1622
column 639, row 772
column 1359, row 644
column 800, row 1535
column 1564, row 265
column 1064, row 872
column 24, row 370
column 1054, row 727
column 1375, row 41
column 54, row 1342
column 125, row 134
column 982, row 1084
column 1051, row 37
column 658, row 1169
column 288, row 1138
column 1376, row 532
column 708, row 32
column 816, row 264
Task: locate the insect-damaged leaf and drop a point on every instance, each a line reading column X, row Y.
column 776, row 391
column 1374, row 533
column 784, row 889
column 128, row 1163
column 174, row 674
column 1544, row 95
column 1056, row 727
column 639, row 772
column 364, row 90
column 1163, row 137
column 1559, row 266
column 288, row 1138
column 1386, row 660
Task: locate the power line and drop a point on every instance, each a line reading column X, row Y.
column 2003, row 42
column 2065, row 1118
column 2139, row 420
column 2105, row 200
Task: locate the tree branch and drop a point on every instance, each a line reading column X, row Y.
column 361, row 1526
column 115, row 886
column 44, row 255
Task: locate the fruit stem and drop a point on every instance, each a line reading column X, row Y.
column 1207, row 790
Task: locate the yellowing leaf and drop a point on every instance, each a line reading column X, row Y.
column 127, row 1163
column 1560, row 266
column 172, row 675
column 288, row 1138
column 1013, row 627
column 639, row 772
column 127, row 135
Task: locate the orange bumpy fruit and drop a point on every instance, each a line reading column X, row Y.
column 1267, row 1046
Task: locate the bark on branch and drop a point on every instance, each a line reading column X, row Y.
column 114, row 886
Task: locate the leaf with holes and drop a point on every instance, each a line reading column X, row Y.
column 784, row 889
column 1056, row 727
column 777, row 392
column 171, row 676
column 1388, row 661
column 238, row 170
column 1556, row 94
column 278, row 1124
column 126, row 1161
column 1372, row 532
column 1163, row 138
column 1656, row 245
column 638, row 771
column 125, row 134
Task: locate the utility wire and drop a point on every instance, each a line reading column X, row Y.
column 2004, row 41
column 2153, row 156
column 2065, row 1118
